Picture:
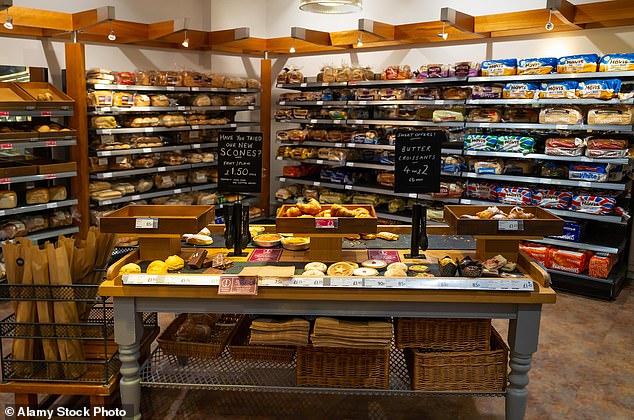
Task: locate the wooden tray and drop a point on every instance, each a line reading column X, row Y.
column 55, row 167
column 544, row 223
column 18, row 136
column 12, row 97
column 12, row 168
column 60, row 99
column 170, row 220
column 57, row 135
column 342, row 225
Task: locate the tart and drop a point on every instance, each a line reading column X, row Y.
column 395, row 273
column 424, row 275
column 313, row 273
column 398, row 266
column 365, row 272
column 340, row 269
column 418, row 268
column 376, row 264
column 319, row 266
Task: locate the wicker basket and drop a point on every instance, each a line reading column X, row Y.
column 342, row 367
column 474, row 371
column 241, row 349
column 221, row 334
column 443, row 334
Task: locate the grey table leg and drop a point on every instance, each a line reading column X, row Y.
column 523, row 337
column 128, row 331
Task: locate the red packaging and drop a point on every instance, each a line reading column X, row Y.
column 294, row 171
column 125, row 78
column 601, row 265
column 482, row 191
column 593, row 204
column 552, row 199
column 515, row 196
column 570, row 261
column 540, row 253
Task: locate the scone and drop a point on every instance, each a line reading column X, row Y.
column 319, row 266
column 312, row 273
column 398, row 266
column 395, row 273
column 157, row 267
column 174, row 262
column 130, row 268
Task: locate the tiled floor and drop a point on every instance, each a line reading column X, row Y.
column 584, row 369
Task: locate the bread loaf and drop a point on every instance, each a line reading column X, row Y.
column 104, row 122
column 35, row 223
column 37, row 196
column 172, row 120
column 143, row 185
column 14, row 229
column 235, row 83
column 57, row 193
column 621, row 115
column 217, row 80
column 159, row 100
column 123, row 99
column 98, row 186
column 560, row 115
column 8, row 200
column 142, row 100
column 100, row 98
column 60, row 218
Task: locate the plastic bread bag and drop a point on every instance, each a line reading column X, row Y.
column 552, row 199
column 543, row 65
column 520, row 90
column 598, row 89
column 617, row 62
column 502, row 67
column 582, row 63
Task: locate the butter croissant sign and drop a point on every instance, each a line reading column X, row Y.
column 417, row 161
column 240, row 162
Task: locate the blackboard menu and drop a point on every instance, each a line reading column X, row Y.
column 417, row 161
column 240, row 162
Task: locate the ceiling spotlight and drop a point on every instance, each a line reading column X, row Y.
column 331, row 6
column 292, row 49
column 549, row 25
column 185, row 42
column 112, row 36
column 443, row 34
column 9, row 22
column 359, row 41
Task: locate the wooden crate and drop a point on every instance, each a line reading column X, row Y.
column 170, row 219
column 12, row 97
column 545, row 223
column 11, row 169
column 342, row 225
column 60, row 99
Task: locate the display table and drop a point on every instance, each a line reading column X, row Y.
column 522, row 308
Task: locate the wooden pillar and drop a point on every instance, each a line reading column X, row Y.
column 76, row 89
column 265, row 126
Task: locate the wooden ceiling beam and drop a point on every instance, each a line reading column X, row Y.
column 311, row 36
column 380, row 30
column 227, row 35
column 40, row 19
column 163, row 29
column 508, row 21
column 460, row 21
column 564, row 11
column 604, row 11
column 89, row 18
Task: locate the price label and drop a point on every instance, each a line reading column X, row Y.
column 223, row 107
column 282, row 103
column 561, row 127
column 194, row 134
column 350, row 164
column 181, row 108
column 50, row 176
column 233, row 125
column 51, row 143
column 307, row 282
column 162, row 169
column 45, row 113
column 338, row 144
column 244, row 90
column 238, row 285
column 413, row 195
column 326, row 223
column 282, row 179
column 313, row 121
column 510, row 225
column 4, row 113
column 303, row 84
column 5, row 180
column 319, row 103
column 148, row 130
column 195, row 89
column 135, row 197
column 395, row 283
column 146, row 150
column 6, row 146
column 107, row 139
column 317, row 183
column 51, row 205
column 178, row 191
column 585, row 184
column 363, row 102
column 2, row 212
column 194, row 127
column 106, row 131
column 319, row 161
column 347, row 187
column 145, row 223
column 373, row 282
column 170, row 88
column 272, row 281
column 106, row 202
column 484, row 125
column 346, row 282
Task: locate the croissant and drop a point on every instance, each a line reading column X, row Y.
column 361, row 212
column 488, row 213
column 312, row 207
column 324, row 213
column 519, row 213
column 339, row 211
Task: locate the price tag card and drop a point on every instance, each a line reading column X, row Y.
column 238, row 285
column 319, row 103
column 106, row 175
column 374, row 282
column 194, row 134
column 6, row 146
column 265, row 255
column 307, row 282
column 5, row 180
column 326, row 223
column 51, row 143
column 109, row 138
column 162, row 169
column 45, row 113
column 181, row 108
column 395, row 283
column 348, row 187
column 146, row 150
column 385, row 255
column 145, row 223
column 50, row 176
column 561, row 127
column 4, row 113
column 510, row 225
column 585, row 184
column 346, row 282
column 170, row 279
column 2, row 212
column 51, row 205
column 274, row 281
column 170, row 88
column 135, row 197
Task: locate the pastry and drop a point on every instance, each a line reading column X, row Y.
column 365, row 272
column 312, row 273
column 352, row 237
column 368, row 236
column 352, row 264
column 340, row 269
column 142, row 100
column 470, row 268
column 447, row 267
column 197, row 260
column 388, row 236
column 397, row 266
column 201, row 100
column 319, row 266
column 157, row 267
column 174, row 262
column 159, row 100
column 418, row 268
column 376, row 264
column 424, row 275
column 130, row 268
column 101, row 122
column 200, row 240
column 45, row 97
column 8, row 199
column 395, row 273
column 312, row 207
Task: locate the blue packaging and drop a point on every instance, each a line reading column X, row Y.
column 520, row 90
column 597, row 172
column 617, row 62
column 573, row 231
column 480, row 142
column 503, row 67
column 543, row 65
column 581, row 63
column 599, row 89
column 516, row 144
column 558, row 90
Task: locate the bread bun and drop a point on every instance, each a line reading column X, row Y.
column 319, row 266
column 398, row 266
column 130, row 268
column 157, row 267
column 174, row 262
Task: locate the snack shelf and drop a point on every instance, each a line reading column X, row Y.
column 426, row 81
column 537, row 102
column 223, row 108
column 139, row 130
column 618, row 161
column 590, row 286
column 547, row 181
column 54, row 233
column 313, row 121
column 33, row 178
column 38, row 207
column 64, row 111
column 204, row 187
column 195, row 146
column 346, row 145
column 100, row 86
column 34, row 143
column 314, row 161
column 569, row 127
column 203, row 164
column 309, row 85
column 108, row 110
column 224, row 90
column 122, row 152
column 143, row 196
column 370, row 166
column 590, row 246
column 231, row 125
column 132, row 172
column 407, row 123
column 553, row 76
column 562, row 213
column 312, row 103
column 409, row 102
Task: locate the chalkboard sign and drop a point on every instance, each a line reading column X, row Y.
column 417, row 161
column 240, row 162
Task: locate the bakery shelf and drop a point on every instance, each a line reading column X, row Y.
column 204, row 187
column 310, row 85
column 552, row 76
column 140, row 88
column 224, row 90
column 54, row 233
column 323, row 121
column 537, row 102
column 370, row 166
column 34, row 178
column 21, row 145
column 409, row 102
column 132, row 172
column 110, row 110
column 195, row 146
column 408, row 123
column 414, row 82
column 38, row 207
column 590, row 286
column 589, row 246
column 144, row 196
column 570, row 127
column 122, row 152
column 221, row 126
column 203, row 164
column 561, row 213
column 315, row 161
column 394, row 216
column 618, row 161
column 312, row 103
column 140, row 130
column 223, row 108
column 37, row 113
column 548, row 181
column 347, row 145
